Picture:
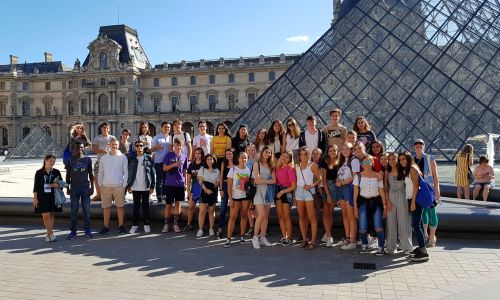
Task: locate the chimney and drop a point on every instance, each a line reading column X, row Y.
column 13, row 59
column 48, row 57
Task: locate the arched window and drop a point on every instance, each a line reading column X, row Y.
column 103, row 104
column 122, row 105
column 5, row 136
column 103, row 60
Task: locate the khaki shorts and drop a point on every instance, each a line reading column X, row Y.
column 110, row 193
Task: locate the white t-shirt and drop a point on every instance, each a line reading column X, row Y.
column 140, row 178
column 180, row 136
column 209, row 176
column 345, row 172
column 292, row 143
column 203, row 141
column 240, row 178
column 311, row 140
column 102, row 143
column 368, row 186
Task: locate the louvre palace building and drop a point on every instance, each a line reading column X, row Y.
column 117, row 83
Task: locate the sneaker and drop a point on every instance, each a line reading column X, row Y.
column 211, row 232
column 407, row 252
column 122, row 230
column 349, row 246
column 88, row 234
column 71, row 235
column 242, row 240
column 219, row 233
column 373, row 243
column 147, row 229
column 364, row 249
column 188, row 228
column 359, row 243
column 414, row 252
column 133, row 229
column 380, row 251
column 165, row 229
column 329, row 243
column 250, row 231
column 177, row 229
column 104, row 231
column 47, row 238
column 265, row 242
column 324, row 239
column 255, row 242
column 287, row 242
column 199, row 234
column 52, row 237
column 227, row 243
column 431, row 243
column 421, row 256
column 281, row 241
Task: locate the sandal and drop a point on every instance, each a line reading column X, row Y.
column 310, row 246
column 304, row 244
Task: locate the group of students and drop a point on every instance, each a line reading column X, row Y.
column 314, row 169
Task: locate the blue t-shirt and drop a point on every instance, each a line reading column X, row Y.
column 175, row 176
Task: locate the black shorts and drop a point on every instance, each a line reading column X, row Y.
column 240, row 199
column 174, row 193
column 286, row 197
column 209, row 199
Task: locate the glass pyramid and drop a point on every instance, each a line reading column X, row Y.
column 36, row 144
column 416, row 69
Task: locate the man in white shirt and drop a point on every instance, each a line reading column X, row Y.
column 112, row 178
column 202, row 140
column 100, row 147
column 184, row 137
column 312, row 137
column 161, row 146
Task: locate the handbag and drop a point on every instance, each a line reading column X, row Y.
column 250, row 187
column 315, row 193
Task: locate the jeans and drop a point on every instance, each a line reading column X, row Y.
column 376, row 214
column 223, row 206
column 417, row 225
column 160, row 176
column 141, row 196
column 77, row 194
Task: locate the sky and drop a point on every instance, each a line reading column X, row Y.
column 169, row 30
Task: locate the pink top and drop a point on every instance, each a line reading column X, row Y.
column 285, row 176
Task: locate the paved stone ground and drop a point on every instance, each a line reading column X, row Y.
column 157, row 266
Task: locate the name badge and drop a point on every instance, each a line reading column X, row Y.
column 46, row 188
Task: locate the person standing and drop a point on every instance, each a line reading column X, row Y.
column 335, row 132
column 175, row 165
column 427, row 165
column 462, row 173
column 78, row 135
column 226, row 165
column 241, row 140
column 193, row 187
column 208, row 178
column 183, row 137
column 112, row 178
column 276, row 136
column 100, row 146
column 144, row 136
column 312, row 137
column 124, row 142
column 292, row 138
column 160, row 146
column 329, row 169
column 43, row 194
column 365, row 135
column 220, row 142
column 286, row 183
column 140, row 183
column 203, row 140
column 80, row 180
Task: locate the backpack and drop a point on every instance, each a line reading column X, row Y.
column 67, row 156
column 425, row 194
column 185, row 138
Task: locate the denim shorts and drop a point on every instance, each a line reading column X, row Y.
column 301, row 194
column 334, row 190
column 286, row 197
column 345, row 192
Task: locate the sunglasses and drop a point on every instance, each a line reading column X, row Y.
column 290, row 125
column 418, row 143
column 139, row 146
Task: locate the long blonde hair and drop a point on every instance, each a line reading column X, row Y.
column 280, row 163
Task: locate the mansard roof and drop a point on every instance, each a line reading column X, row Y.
column 37, row 67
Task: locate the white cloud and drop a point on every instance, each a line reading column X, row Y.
column 298, row 39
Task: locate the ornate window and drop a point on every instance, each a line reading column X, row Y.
column 71, row 108
column 174, row 81
column 156, row 82
column 26, row 107
column 103, row 104
column 272, row 76
column 192, row 80
column 103, row 81
column 3, row 108
column 211, row 79
column 84, row 83
column 230, row 78
column 47, row 105
column 103, row 60
column 252, row 96
column 26, row 86
column 2, row 85
column 251, row 77
column 175, row 103
column 70, row 84
column 47, row 86
column 231, row 97
column 83, row 106
column 156, row 104
column 193, row 102
column 122, row 105
column 212, row 102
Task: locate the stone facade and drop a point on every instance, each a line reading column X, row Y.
column 117, row 84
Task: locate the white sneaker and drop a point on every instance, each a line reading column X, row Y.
column 165, row 228
column 199, row 234
column 177, row 229
column 349, row 246
column 147, row 229
column 52, row 237
column 133, row 229
column 211, row 232
column 359, row 243
column 329, row 242
column 265, row 242
column 47, row 238
column 324, row 239
column 255, row 242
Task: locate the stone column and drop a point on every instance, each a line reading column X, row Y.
column 110, row 101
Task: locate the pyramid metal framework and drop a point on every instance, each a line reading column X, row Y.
column 415, row 69
column 37, row 143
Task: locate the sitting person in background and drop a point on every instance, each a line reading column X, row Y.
column 485, row 176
